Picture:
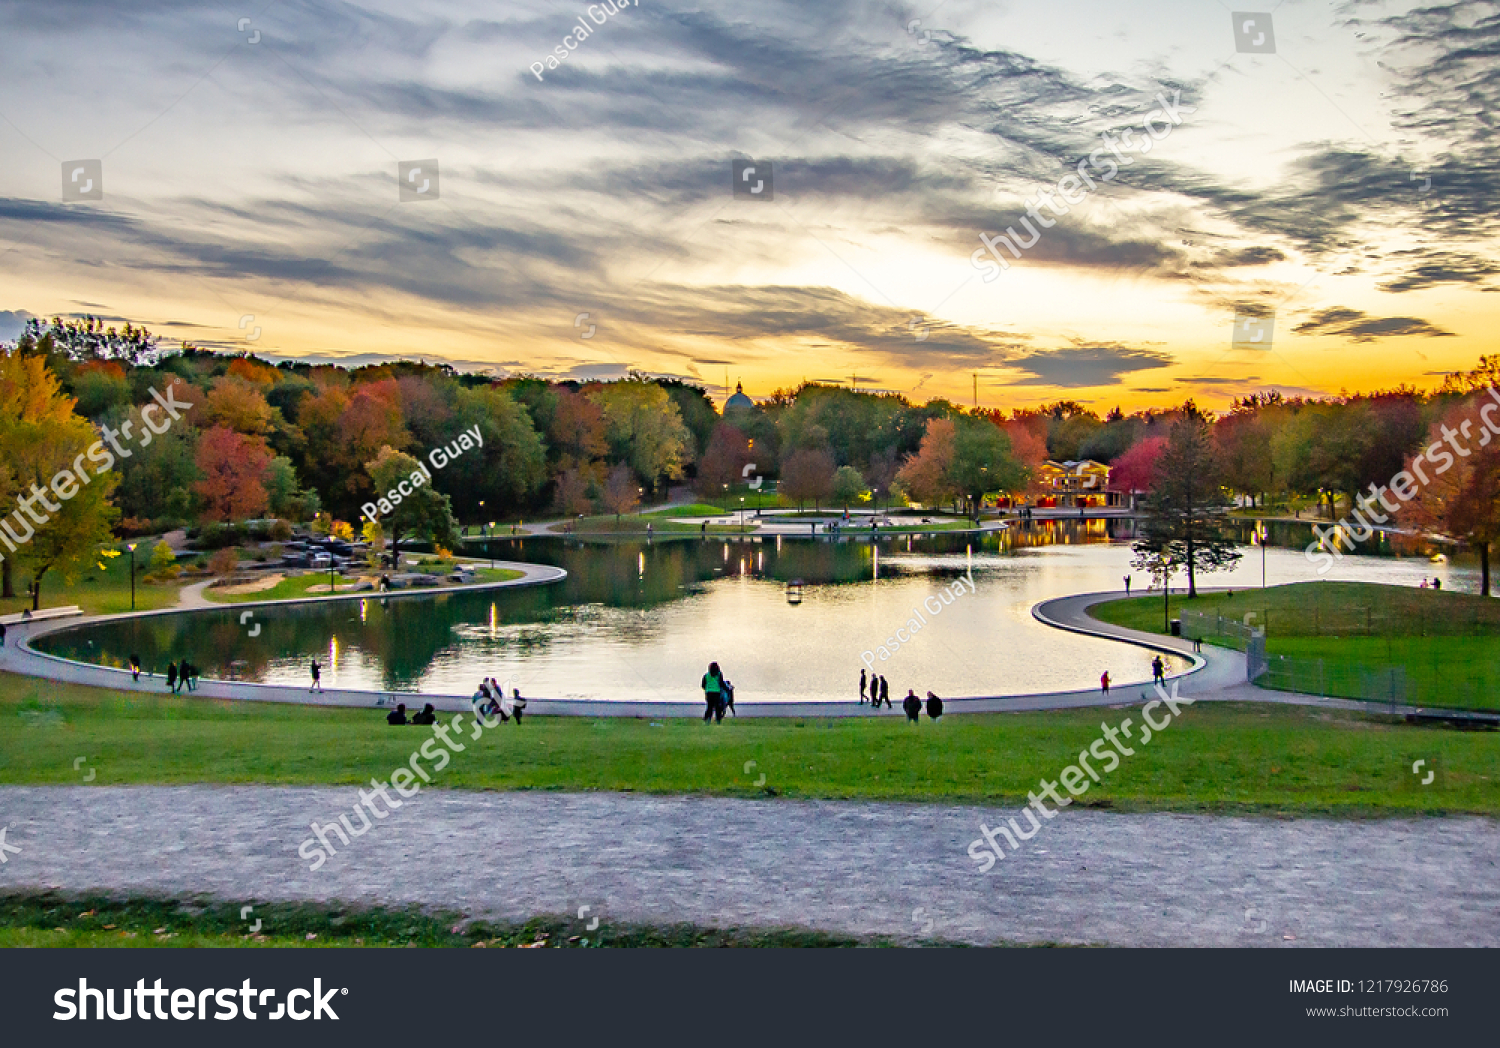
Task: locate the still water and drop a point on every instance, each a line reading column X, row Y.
column 641, row 621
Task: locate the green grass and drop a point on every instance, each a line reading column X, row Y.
column 298, row 586
column 1447, row 643
column 97, row 592
column 50, row 919
column 1219, row 757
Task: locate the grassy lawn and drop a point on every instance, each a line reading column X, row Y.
column 1218, row 758
column 99, row 592
column 53, row 920
column 298, row 586
column 1447, row 643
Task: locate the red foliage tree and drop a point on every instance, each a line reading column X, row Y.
column 1135, row 471
column 232, row 465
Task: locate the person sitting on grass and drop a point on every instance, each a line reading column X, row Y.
column 912, row 705
column 397, row 715
column 427, row 716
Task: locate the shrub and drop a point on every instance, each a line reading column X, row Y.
column 224, row 562
column 163, row 563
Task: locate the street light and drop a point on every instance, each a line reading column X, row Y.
column 726, row 500
column 742, row 514
column 491, row 545
column 1259, row 536
column 131, row 546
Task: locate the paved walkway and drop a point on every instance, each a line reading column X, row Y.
column 856, row 868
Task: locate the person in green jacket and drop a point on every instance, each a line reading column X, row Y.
column 713, row 686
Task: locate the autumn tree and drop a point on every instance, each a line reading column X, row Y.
column 1136, row 471
column 1185, row 524
column 807, row 475
column 1462, row 502
column 725, row 460
column 622, row 492
column 41, row 438
column 232, row 466
column 927, row 476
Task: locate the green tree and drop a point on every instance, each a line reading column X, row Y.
column 848, row 486
column 1185, row 526
column 982, row 462
column 644, row 428
column 424, row 513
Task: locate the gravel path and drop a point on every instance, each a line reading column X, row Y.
column 1153, row 879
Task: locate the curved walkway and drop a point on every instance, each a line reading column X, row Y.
column 1217, row 674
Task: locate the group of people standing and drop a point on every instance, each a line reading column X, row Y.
column 877, row 689
column 491, row 700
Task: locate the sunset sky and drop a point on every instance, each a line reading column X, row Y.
column 1343, row 186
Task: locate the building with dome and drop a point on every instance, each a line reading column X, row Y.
column 739, row 401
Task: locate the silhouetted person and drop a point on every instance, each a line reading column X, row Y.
column 1127, row 585
column 885, row 692
column 427, row 716
column 135, row 660
column 518, row 702
column 713, row 684
column 397, row 715
column 189, row 675
column 934, row 706
column 317, row 681
column 2, row 634
column 1437, row 584
column 172, row 677
column 912, row 705
column 1104, row 681
column 861, row 687
column 1158, row 670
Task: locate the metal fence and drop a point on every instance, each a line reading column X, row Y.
column 1215, row 628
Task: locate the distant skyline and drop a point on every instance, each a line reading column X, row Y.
column 1338, row 192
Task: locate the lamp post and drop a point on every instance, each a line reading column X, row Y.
column 131, row 547
column 742, row 514
column 481, row 516
column 1259, row 534
column 726, row 500
column 491, row 545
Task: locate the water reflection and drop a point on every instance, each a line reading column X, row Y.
column 640, row 619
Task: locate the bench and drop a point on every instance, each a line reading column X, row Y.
column 67, row 611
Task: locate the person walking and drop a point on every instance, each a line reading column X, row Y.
column 934, row 706
column 713, row 683
column 1104, row 681
column 2, row 634
column 317, row 685
column 172, row 677
column 135, row 665
column 912, row 705
column 1127, row 585
column 189, row 675
column 885, row 692
column 861, row 687
column 518, row 704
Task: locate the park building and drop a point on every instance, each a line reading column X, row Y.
column 1075, row 484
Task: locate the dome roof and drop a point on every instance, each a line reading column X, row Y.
column 739, row 400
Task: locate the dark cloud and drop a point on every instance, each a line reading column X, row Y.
column 1084, row 366
column 1444, row 267
column 1361, row 327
